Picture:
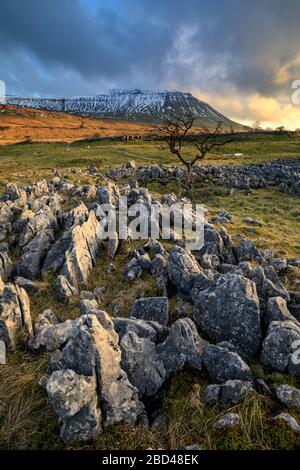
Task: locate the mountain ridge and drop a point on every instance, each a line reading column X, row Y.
column 132, row 105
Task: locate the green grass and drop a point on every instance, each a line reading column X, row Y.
column 20, row 161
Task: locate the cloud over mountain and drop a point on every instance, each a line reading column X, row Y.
column 218, row 47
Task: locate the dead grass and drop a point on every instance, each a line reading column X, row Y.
column 34, row 125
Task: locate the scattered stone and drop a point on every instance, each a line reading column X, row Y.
column 223, row 217
column 228, row 420
column 279, row 264
column 2, row 286
column 233, row 391
column 87, row 304
column 76, row 216
column 113, row 244
column 247, row 251
column 34, row 253
column 193, row 447
column 111, row 268
column 93, row 349
column 84, row 248
column 132, row 270
column 289, row 421
column 250, row 221
column 6, row 265
column 141, row 328
column 294, row 304
column 211, row 394
column 230, row 392
column 289, row 396
column 69, row 392
column 145, row 261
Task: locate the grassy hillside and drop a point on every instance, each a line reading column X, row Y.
column 34, row 125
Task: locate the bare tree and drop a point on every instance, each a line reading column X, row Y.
column 175, row 131
column 178, row 131
column 256, row 126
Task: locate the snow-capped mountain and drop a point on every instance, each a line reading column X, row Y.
column 131, row 105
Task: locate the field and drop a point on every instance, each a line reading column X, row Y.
column 26, row 417
column 34, row 125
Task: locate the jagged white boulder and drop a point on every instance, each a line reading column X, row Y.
column 81, row 255
column 144, row 367
column 93, row 351
column 182, row 269
column 279, row 348
column 228, row 310
column 64, row 289
column 14, row 314
column 50, row 334
column 182, row 347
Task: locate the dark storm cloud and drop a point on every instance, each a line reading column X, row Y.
column 82, row 46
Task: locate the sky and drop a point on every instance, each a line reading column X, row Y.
column 240, row 56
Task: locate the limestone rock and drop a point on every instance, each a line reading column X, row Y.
column 151, row 309
column 289, row 396
column 64, row 289
column 228, row 420
column 30, row 263
column 69, row 392
column 182, row 269
column 229, row 310
column 82, row 253
column 93, row 348
column 182, row 347
column 233, row 391
column 27, row 284
column 277, row 311
column 211, row 394
column 150, row 330
column 247, row 251
column 49, row 333
column 144, row 367
column 76, row 216
column 223, row 365
column 14, row 314
column 277, row 348
column 289, row 421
